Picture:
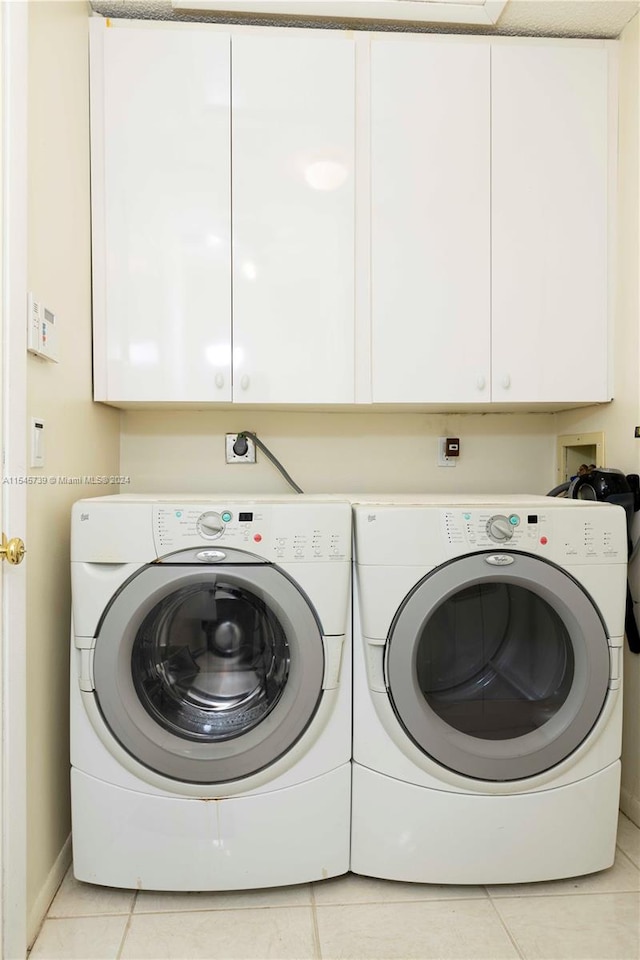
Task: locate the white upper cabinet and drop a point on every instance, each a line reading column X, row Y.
column 322, row 217
column 161, row 212
column 293, row 217
column 549, row 222
column 430, row 220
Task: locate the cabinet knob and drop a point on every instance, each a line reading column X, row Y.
column 244, row 382
column 219, row 381
column 505, row 383
column 481, row 382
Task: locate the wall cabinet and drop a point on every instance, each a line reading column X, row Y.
column 161, row 203
column 222, row 174
column 293, row 218
column 549, row 186
column 239, row 176
column 489, row 181
column 430, row 221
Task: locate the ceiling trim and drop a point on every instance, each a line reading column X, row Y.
column 478, row 12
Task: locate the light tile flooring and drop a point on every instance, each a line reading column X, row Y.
column 353, row 917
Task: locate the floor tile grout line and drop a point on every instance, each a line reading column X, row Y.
column 123, row 938
column 91, row 916
column 262, row 906
column 558, row 896
column 627, row 856
column 504, row 926
column 127, row 926
column 317, row 948
column 295, row 906
column 564, row 896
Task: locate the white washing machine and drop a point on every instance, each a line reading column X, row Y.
column 487, row 703
column 210, row 691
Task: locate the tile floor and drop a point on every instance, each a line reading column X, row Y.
column 353, row 917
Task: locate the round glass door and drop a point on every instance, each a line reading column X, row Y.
column 207, row 675
column 210, row 661
column 497, row 674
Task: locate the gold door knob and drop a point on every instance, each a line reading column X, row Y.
column 12, row 550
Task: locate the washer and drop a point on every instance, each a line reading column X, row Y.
column 487, row 703
column 210, row 691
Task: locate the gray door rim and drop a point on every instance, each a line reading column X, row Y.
column 185, row 760
column 521, row 757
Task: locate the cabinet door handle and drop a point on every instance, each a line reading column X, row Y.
column 481, row 382
column 219, row 380
column 505, row 383
column 244, row 382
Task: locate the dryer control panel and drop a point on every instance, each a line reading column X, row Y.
column 486, row 528
column 586, row 535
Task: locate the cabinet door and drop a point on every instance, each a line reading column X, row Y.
column 293, row 218
column 430, row 230
column 549, row 197
column 161, row 212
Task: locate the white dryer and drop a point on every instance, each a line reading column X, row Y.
column 487, row 703
column 210, row 691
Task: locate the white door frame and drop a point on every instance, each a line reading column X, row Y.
column 13, row 714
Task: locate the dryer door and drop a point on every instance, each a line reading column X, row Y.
column 207, row 674
column 497, row 672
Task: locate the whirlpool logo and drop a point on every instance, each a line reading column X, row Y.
column 500, row 559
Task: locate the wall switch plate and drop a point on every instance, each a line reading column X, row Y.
column 443, row 460
column 37, row 442
column 232, row 457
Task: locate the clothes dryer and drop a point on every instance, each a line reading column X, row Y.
column 487, row 701
column 210, row 691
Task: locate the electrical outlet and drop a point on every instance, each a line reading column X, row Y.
column 232, row 457
column 443, row 460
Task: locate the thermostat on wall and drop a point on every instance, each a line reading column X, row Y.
column 41, row 330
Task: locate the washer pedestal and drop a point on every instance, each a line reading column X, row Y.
column 191, row 844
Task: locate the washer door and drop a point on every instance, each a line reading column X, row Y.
column 497, row 666
column 207, row 675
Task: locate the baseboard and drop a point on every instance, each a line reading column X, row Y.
column 49, row 889
column 630, row 806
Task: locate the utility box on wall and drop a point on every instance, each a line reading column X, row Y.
column 576, row 449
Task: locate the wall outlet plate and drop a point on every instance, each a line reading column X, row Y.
column 231, row 456
column 443, row 460
column 37, row 442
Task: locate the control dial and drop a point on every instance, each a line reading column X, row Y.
column 499, row 528
column 210, row 525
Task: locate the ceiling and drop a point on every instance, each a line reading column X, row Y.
column 557, row 18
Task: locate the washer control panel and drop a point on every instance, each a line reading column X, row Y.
column 277, row 532
column 210, row 525
column 500, row 528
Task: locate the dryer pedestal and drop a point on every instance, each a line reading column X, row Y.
column 407, row 832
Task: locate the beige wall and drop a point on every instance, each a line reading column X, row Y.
column 619, row 419
column 81, row 438
column 333, row 452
